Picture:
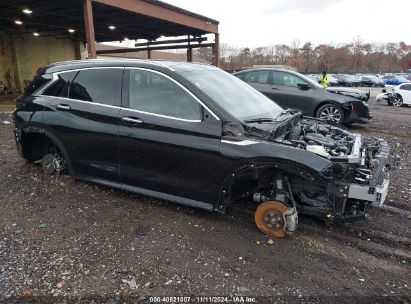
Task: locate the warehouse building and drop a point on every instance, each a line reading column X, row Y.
column 34, row 33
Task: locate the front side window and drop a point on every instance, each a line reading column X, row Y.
column 157, row 94
column 256, row 77
column 96, row 85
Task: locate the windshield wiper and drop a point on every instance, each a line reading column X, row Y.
column 286, row 112
column 259, row 120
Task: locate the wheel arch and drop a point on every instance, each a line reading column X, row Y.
column 28, row 131
column 260, row 168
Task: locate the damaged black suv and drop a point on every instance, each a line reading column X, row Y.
column 196, row 135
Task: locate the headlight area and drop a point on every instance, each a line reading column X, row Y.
column 354, row 105
column 354, row 186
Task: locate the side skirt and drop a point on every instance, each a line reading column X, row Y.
column 160, row 195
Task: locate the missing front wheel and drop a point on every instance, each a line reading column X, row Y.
column 53, row 163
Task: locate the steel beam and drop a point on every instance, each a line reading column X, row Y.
column 216, row 50
column 199, row 39
column 160, row 12
column 156, row 48
column 190, row 54
column 89, row 28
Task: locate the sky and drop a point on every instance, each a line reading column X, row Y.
column 254, row 23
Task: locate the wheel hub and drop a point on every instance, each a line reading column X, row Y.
column 397, row 102
column 273, row 219
column 331, row 113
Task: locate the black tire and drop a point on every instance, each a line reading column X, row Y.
column 332, row 112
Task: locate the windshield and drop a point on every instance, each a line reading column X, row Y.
column 401, row 78
column 374, row 78
column 233, row 95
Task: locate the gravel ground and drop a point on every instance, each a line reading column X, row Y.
column 62, row 237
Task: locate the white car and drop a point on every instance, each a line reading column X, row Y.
column 402, row 95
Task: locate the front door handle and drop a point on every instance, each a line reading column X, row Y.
column 132, row 120
column 63, row 107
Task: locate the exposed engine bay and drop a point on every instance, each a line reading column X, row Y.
column 357, row 176
column 321, row 138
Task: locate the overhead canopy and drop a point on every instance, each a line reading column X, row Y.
column 132, row 19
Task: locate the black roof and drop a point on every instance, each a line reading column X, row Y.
column 154, row 64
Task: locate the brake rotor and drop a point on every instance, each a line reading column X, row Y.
column 52, row 163
column 47, row 163
column 269, row 218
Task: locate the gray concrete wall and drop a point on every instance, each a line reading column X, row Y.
column 21, row 56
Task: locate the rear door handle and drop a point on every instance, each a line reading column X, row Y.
column 132, row 120
column 63, row 107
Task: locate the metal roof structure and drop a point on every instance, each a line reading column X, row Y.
column 94, row 21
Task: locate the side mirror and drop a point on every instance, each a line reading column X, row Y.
column 303, row 86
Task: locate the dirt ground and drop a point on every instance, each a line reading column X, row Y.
column 62, row 237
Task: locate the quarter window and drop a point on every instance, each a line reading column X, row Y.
column 97, row 85
column 59, row 88
column 154, row 93
column 36, row 84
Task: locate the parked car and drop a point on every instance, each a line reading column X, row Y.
column 332, row 81
column 397, row 80
column 196, row 135
column 387, row 76
column 387, row 95
column 348, row 81
column 371, row 81
column 401, row 95
column 295, row 91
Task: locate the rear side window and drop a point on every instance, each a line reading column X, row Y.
column 59, row 88
column 286, row 79
column 256, row 77
column 97, row 85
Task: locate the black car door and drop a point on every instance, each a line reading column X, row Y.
column 82, row 111
column 169, row 141
column 285, row 90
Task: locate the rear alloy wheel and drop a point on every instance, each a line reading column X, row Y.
column 331, row 112
column 397, row 101
column 269, row 218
